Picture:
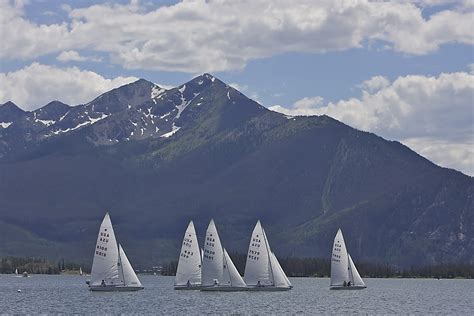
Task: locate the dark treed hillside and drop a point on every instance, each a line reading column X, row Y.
column 157, row 158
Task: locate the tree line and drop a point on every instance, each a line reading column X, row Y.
column 293, row 267
column 35, row 266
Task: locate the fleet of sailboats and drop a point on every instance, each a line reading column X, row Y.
column 111, row 269
column 211, row 268
column 344, row 274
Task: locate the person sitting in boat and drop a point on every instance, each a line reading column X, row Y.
column 102, row 283
column 259, row 284
column 216, row 282
column 344, row 284
column 349, row 283
column 188, row 284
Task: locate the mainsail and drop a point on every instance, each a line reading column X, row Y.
column 189, row 264
column 128, row 275
column 106, row 256
column 257, row 267
column 213, row 257
column 339, row 261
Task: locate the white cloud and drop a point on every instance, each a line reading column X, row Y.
column 375, row 83
column 199, row 36
column 308, row 102
column 425, row 112
column 455, row 155
column 72, row 55
column 38, row 84
column 245, row 90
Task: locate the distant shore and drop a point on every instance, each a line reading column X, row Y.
column 294, row 267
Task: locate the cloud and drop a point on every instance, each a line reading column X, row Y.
column 375, row 83
column 72, row 55
column 199, row 36
column 456, row 155
column 434, row 115
column 308, row 103
column 245, row 89
column 38, row 84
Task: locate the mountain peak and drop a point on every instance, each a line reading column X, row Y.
column 52, row 111
column 9, row 112
column 10, row 106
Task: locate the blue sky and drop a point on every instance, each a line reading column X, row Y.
column 401, row 69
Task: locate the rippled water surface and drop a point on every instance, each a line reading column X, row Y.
column 69, row 294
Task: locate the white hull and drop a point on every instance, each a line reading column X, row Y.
column 348, row 287
column 115, row 288
column 185, row 287
column 224, row 288
column 269, row 288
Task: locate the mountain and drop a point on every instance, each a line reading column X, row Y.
column 156, row 158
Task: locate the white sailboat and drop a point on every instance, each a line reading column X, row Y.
column 263, row 272
column 218, row 271
column 344, row 274
column 80, row 271
column 111, row 270
column 188, row 274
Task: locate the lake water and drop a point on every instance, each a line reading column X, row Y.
column 69, row 294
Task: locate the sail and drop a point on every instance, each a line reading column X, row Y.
column 189, row 264
column 231, row 277
column 258, row 266
column 128, row 275
column 16, row 271
column 279, row 276
column 213, row 258
column 339, row 261
column 105, row 264
column 80, row 271
column 356, row 280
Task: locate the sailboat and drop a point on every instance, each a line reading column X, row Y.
column 111, row 270
column 263, row 272
column 344, row 274
column 188, row 274
column 218, row 271
column 80, row 271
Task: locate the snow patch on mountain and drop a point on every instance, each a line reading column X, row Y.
column 156, row 91
column 45, row 122
column 174, row 129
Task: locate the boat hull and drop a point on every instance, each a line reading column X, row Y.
column 187, row 288
column 223, row 288
column 269, row 288
column 347, row 287
column 115, row 288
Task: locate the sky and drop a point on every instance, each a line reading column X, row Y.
column 401, row 69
